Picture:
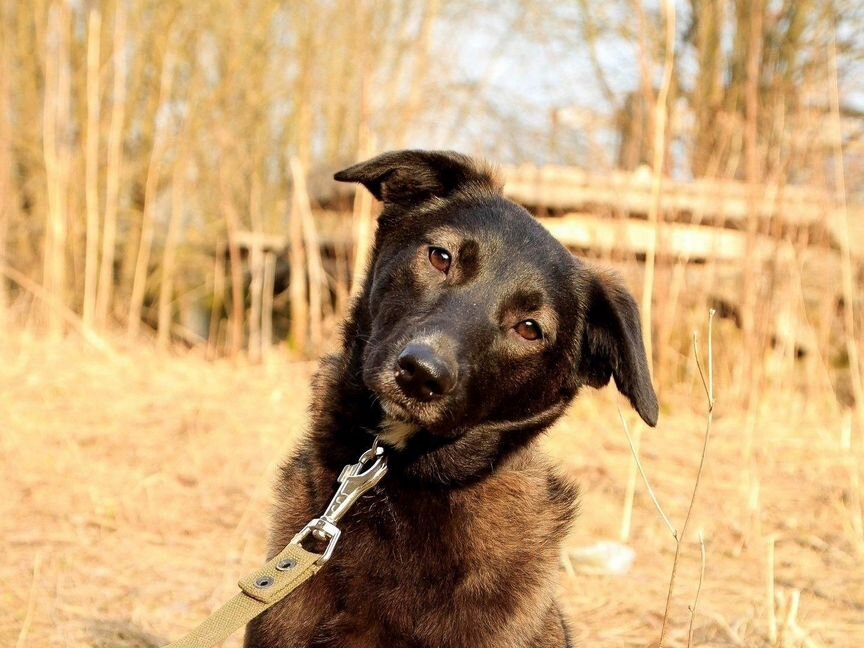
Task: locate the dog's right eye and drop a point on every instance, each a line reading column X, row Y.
column 440, row 259
column 529, row 330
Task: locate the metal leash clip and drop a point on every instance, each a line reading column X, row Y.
column 354, row 480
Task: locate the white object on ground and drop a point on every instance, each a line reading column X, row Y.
column 602, row 558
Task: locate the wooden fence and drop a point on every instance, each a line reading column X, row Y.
column 722, row 205
column 605, row 215
column 703, row 219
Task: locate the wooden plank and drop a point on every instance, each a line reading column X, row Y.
column 695, row 242
column 592, row 232
column 571, row 188
column 603, row 234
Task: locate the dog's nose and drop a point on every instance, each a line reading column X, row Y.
column 423, row 374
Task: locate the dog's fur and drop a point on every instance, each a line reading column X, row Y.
column 458, row 546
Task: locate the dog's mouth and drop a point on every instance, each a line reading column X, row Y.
column 412, row 431
column 405, row 416
column 394, row 411
column 399, row 407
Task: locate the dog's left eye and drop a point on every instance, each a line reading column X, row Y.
column 440, row 259
column 529, row 329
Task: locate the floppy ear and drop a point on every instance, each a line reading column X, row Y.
column 612, row 345
column 410, row 177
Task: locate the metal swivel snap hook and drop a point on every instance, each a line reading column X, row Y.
column 354, row 480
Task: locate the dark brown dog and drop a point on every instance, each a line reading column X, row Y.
column 473, row 332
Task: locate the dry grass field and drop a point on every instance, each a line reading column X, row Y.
column 136, row 487
column 166, row 182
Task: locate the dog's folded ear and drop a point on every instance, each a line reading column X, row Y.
column 408, row 178
column 612, row 345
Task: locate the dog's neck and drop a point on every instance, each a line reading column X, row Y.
column 396, row 433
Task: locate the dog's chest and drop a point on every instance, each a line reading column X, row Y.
column 452, row 568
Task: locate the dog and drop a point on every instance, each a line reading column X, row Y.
column 473, row 331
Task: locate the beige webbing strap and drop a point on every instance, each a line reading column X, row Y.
column 259, row 591
column 294, row 565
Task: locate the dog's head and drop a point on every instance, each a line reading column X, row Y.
column 481, row 326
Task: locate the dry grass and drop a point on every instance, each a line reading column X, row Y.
column 135, row 491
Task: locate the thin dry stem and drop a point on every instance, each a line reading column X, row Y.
column 169, row 260
column 91, row 175
column 772, row 610
column 267, row 302
column 651, row 493
column 8, row 194
column 105, row 289
column 145, row 243
column 256, row 270
column 314, row 266
column 847, row 274
column 654, row 215
column 55, row 115
column 707, row 384
column 698, row 587
column 630, row 492
column 298, row 286
column 749, row 368
column 232, row 224
column 362, row 219
column 709, row 392
column 31, row 602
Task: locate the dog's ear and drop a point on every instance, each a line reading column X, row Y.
column 612, row 345
column 408, row 178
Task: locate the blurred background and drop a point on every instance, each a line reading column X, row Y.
column 174, row 255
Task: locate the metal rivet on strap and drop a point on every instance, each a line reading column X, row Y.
column 286, row 564
column 263, row 582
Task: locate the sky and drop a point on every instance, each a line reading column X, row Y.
column 543, row 65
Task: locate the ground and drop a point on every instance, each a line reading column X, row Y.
column 136, row 488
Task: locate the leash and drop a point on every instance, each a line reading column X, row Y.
column 292, row 566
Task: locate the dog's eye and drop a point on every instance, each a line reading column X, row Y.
column 440, row 259
column 529, row 329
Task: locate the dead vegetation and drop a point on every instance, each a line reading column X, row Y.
column 164, row 167
column 136, row 491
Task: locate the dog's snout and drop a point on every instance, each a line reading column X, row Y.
column 423, row 374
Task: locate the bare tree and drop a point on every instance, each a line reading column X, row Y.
column 91, row 177
column 8, row 194
column 154, row 168
column 57, row 159
column 114, row 165
column 169, row 259
column 659, row 149
column 329, row 83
